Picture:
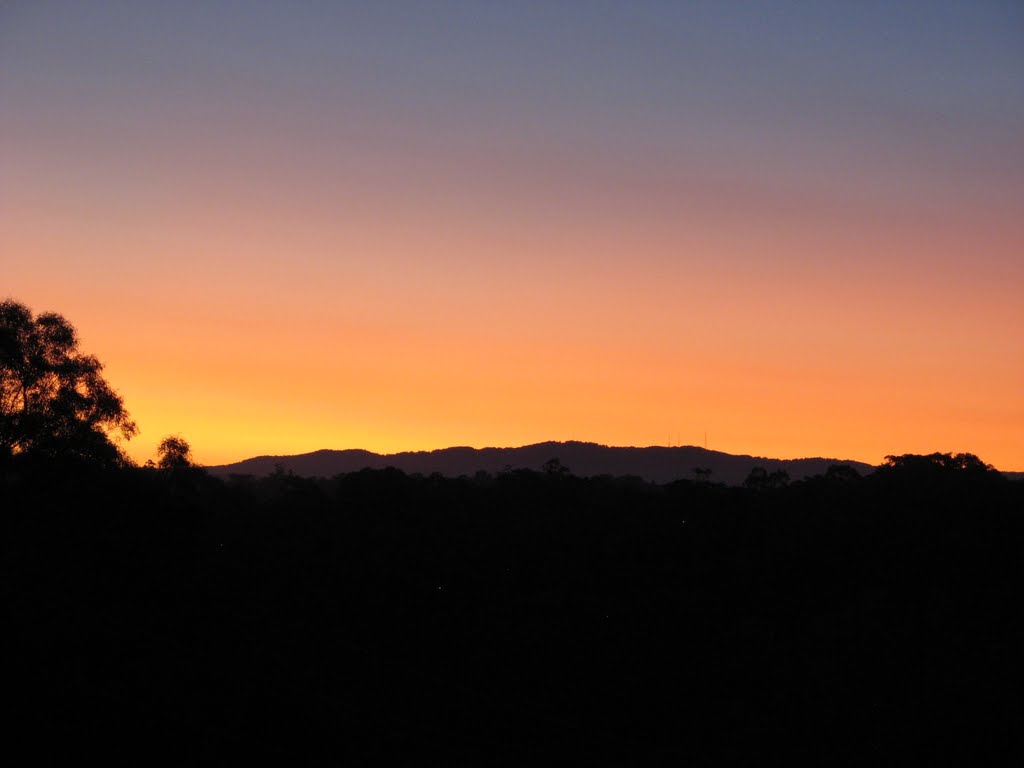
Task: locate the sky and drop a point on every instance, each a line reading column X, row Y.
column 796, row 228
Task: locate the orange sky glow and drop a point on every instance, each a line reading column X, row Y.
column 267, row 269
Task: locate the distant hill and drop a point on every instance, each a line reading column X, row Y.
column 655, row 463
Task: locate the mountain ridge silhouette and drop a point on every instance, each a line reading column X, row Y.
column 660, row 464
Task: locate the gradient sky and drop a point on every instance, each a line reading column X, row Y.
column 795, row 226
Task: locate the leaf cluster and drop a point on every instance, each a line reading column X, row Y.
column 54, row 399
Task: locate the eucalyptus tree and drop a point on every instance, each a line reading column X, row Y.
column 174, row 452
column 54, row 401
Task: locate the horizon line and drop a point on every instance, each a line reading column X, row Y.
column 534, row 444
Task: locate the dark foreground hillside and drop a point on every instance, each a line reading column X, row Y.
column 169, row 617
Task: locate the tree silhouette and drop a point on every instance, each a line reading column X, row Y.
column 555, row 467
column 842, row 473
column 54, row 401
column 948, row 463
column 174, row 452
column 759, row 479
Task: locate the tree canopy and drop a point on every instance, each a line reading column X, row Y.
column 174, row 452
column 54, row 401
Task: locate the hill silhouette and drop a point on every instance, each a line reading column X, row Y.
column 657, row 464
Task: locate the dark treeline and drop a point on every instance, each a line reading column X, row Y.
column 515, row 617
